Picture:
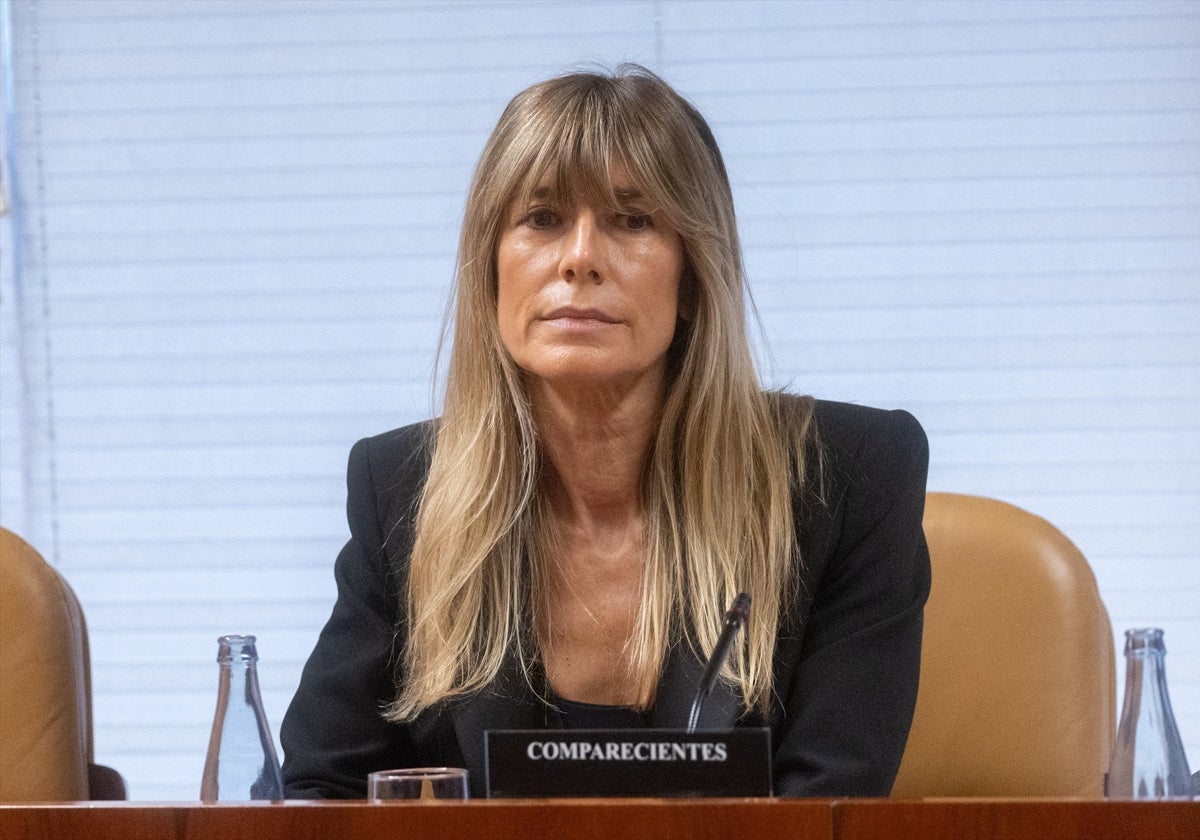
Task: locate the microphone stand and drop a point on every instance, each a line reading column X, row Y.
column 735, row 618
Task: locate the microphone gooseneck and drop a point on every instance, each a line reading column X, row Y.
column 735, row 619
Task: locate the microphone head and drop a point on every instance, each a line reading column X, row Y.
column 739, row 610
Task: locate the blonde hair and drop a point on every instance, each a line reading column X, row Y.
column 725, row 460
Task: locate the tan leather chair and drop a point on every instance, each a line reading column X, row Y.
column 1018, row 683
column 45, row 686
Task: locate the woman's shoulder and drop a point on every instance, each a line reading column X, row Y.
column 396, row 458
column 399, row 442
column 384, row 480
column 871, row 446
column 846, row 425
column 842, row 426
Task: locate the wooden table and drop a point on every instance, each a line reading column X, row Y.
column 610, row 819
column 1015, row 819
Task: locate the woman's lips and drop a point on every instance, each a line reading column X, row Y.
column 576, row 314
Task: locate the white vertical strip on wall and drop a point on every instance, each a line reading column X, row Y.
column 13, row 501
column 242, row 218
column 12, row 469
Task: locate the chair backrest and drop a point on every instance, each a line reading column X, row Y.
column 1018, row 684
column 45, row 685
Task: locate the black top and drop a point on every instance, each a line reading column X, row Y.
column 846, row 660
column 572, row 714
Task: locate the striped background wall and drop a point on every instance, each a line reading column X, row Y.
column 234, row 226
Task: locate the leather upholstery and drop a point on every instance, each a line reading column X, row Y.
column 1018, row 684
column 45, row 686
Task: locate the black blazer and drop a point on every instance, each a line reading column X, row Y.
column 846, row 661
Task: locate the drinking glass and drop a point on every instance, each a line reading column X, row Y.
column 417, row 783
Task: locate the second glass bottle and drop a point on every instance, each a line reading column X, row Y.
column 241, row 763
column 1148, row 761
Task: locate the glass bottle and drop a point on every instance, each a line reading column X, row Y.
column 241, row 762
column 1148, row 761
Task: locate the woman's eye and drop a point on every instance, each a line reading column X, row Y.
column 636, row 221
column 541, row 217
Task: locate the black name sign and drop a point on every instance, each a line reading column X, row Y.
column 627, row 762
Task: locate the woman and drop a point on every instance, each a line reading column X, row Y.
column 607, row 474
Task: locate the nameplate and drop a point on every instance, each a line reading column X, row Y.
column 627, row 762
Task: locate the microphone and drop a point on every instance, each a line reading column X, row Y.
column 735, row 618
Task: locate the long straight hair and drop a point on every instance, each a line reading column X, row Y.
column 716, row 490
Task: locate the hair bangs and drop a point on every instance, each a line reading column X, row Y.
column 590, row 147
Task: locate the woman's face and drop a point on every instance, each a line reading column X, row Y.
column 588, row 295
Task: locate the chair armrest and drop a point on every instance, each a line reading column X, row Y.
column 105, row 783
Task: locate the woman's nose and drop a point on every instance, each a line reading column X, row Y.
column 581, row 255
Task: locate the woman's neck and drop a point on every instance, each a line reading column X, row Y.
column 596, row 444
